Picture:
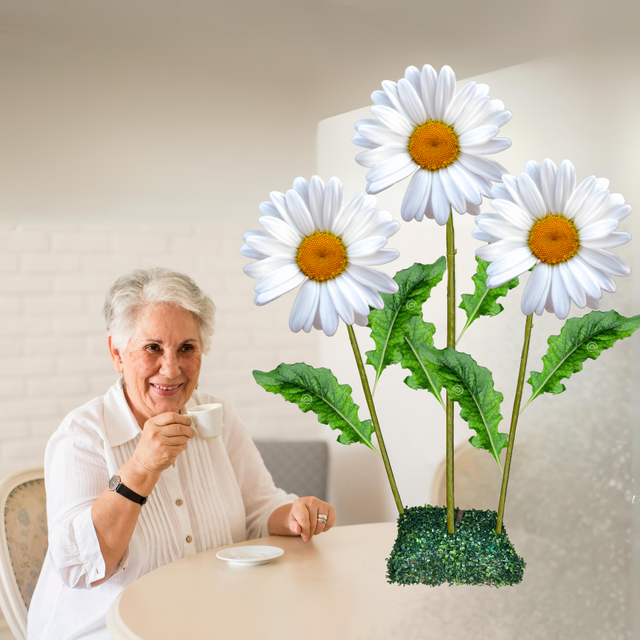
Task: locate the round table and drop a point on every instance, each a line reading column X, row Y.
column 331, row 588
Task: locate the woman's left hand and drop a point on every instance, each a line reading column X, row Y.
column 303, row 517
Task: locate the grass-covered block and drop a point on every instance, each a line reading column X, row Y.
column 425, row 553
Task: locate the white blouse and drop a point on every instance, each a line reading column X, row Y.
column 218, row 493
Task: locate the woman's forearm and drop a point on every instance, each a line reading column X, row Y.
column 115, row 517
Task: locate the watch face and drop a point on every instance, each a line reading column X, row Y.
column 114, row 481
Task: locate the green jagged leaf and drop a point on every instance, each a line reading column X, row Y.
column 483, row 301
column 388, row 324
column 419, row 332
column 579, row 339
column 318, row 390
column 471, row 386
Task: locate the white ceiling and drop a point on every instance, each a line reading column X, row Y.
column 97, row 92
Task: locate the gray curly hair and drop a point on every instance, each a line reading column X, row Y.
column 140, row 289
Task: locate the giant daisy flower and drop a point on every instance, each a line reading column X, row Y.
column 544, row 220
column 313, row 239
column 423, row 127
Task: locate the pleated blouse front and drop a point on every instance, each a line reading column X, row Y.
column 218, row 493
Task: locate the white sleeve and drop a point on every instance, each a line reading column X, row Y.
column 75, row 476
column 259, row 494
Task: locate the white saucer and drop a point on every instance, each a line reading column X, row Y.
column 250, row 556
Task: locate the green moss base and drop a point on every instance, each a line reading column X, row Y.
column 425, row 553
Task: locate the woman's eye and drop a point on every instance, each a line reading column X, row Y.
column 152, row 347
column 188, row 347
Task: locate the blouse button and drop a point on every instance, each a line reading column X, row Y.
column 179, row 502
column 189, row 538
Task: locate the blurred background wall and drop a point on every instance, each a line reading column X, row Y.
column 148, row 133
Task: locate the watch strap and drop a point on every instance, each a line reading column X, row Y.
column 123, row 490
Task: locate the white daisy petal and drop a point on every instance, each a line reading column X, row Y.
column 510, row 265
column 473, row 209
column 592, row 209
column 417, row 193
column 592, row 303
column 391, row 89
column 361, row 227
column 333, row 198
column 453, row 193
column 280, row 229
column 384, row 152
column 412, row 103
column 483, row 236
column 597, row 230
column 304, row 307
column 381, row 98
column 559, row 295
column 584, row 275
column 619, row 212
column 438, row 200
column 514, row 214
column 537, row 289
column 381, row 134
column 511, row 185
column 379, row 257
column 370, row 297
column 327, row 311
column 275, row 277
column 360, row 320
column 492, row 146
column 299, row 214
column 343, row 308
column 270, row 246
column 248, row 252
column 484, row 167
column 412, row 74
column 378, row 186
column 605, row 261
column 498, row 118
column 477, row 136
column 428, row 82
column 565, row 185
column 263, row 267
column 531, row 196
column 493, row 251
column 301, row 186
column 389, row 167
column 607, row 242
column 502, row 229
column 269, row 209
column 366, row 246
column 466, row 182
column 534, row 171
column 349, row 210
column 579, row 196
column 316, row 200
column 575, row 292
column 265, row 295
column 548, row 176
column 372, row 278
column 361, row 141
column 459, row 102
column 393, row 120
column 352, row 292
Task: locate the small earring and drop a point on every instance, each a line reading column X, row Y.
column 121, row 379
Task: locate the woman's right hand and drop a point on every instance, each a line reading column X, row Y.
column 164, row 438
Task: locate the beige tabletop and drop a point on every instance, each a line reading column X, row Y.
column 332, row 587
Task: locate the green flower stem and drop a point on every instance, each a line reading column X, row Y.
column 451, row 342
column 514, row 420
column 374, row 418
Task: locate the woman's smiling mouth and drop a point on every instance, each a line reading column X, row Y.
column 166, row 390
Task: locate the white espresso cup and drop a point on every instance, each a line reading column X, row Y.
column 206, row 419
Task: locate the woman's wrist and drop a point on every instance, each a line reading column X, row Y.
column 137, row 477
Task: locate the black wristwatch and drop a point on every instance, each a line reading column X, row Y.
column 115, row 484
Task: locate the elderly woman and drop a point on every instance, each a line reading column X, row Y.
column 129, row 488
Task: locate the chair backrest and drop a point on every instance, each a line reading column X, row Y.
column 23, row 543
column 299, row 467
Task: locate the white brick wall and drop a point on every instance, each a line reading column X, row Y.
column 53, row 350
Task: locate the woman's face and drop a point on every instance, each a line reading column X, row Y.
column 161, row 363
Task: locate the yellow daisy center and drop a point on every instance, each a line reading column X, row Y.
column 434, row 145
column 554, row 239
column 322, row 256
